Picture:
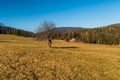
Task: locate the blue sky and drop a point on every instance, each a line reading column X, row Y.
column 29, row 14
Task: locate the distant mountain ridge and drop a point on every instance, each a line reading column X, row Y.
column 64, row 29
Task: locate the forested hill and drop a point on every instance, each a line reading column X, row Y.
column 19, row 32
column 104, row 35
column 109, row 35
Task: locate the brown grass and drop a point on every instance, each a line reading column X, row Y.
column 28, row 59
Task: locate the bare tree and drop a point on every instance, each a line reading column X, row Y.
column 45, row 30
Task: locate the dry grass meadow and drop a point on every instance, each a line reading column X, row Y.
column 28, row 59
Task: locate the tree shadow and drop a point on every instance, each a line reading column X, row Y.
column 9, row 41
column 65, row 47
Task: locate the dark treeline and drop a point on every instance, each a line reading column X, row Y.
column 14, row 31
column 109, row 35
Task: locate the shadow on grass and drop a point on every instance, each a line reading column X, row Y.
column 66, row 47
column 9, row 41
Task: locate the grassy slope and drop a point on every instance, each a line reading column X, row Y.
column 25, row 58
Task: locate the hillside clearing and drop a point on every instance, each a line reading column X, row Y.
column 28, row 59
